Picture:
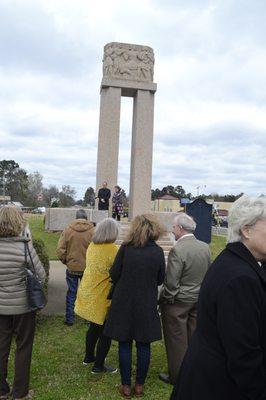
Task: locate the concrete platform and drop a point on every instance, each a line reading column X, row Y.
column 56, row 289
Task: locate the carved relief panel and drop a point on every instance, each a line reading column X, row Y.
column 128, row 62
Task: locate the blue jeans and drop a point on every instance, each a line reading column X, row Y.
column 72, row 284
column 125, row 361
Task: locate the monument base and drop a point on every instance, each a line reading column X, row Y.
column 166, row 218
column 57, row 219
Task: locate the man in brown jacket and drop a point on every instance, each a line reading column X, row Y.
column 187, row 265
column 71, row 250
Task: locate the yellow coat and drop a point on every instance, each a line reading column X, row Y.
column 91, row 303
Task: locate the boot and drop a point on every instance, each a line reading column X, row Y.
column 138, row 390
column 125, row 391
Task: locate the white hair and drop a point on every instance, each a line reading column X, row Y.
column 186, row 222
column 106, row 231
column 245, row 211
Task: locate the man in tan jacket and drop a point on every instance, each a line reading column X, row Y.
column 187, row 265
column 71, row 250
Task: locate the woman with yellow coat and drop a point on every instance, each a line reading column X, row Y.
column 91, row 303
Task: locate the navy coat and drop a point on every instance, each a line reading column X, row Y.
column 133, row 313
column 226, row 359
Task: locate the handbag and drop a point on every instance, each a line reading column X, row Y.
column 34, row 288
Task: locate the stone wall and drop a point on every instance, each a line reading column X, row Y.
column 166, row 218
column 57, row 219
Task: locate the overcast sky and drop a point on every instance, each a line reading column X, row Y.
column 210, row 107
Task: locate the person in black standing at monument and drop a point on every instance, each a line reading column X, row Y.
column 104, row 195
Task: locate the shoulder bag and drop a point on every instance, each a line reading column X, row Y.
column 34, row 288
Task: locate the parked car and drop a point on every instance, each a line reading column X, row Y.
column 38, row 210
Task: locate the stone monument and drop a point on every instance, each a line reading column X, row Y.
column 127, row 71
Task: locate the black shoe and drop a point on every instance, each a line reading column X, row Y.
column 88, row 360
column 68, row 323
column 105, row 368
column 164, row 378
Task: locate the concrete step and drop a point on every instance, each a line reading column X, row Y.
column 166, row 241
column 167, row 246
column 164, row 245
column 162, row 238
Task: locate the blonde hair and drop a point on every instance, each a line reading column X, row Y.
column 106, row 231
column 143, row 228
column 11, row 221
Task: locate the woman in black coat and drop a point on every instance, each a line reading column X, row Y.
column 226, row 359
column 137, row 271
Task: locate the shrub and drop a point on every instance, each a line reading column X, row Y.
column 43, row 256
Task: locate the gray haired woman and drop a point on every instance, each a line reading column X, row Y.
column 16, row 317
column 227, row 355
column 92, row 303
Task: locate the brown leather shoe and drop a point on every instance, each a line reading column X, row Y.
column 125, row 391
column 138, row 390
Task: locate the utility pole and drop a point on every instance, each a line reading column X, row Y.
column 198, row 188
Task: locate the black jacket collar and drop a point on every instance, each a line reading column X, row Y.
column 242, row 251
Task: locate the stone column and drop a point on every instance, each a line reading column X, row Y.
column 108, row 141
column 127, row 71
column 141, row 153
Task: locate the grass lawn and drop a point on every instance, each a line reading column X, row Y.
column 57, row 372
column 50, row 239
column 217, row 245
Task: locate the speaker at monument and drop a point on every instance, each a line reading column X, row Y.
column 202, row 214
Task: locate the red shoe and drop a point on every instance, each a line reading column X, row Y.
column 138, row 390
column 125, row 391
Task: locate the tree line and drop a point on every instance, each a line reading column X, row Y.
column 28, row 188
column 180, row 193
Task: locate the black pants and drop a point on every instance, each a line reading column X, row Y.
column 116, row 215
column 95, row 336
column 23, row 327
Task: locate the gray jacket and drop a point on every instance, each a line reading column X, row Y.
column 187, row 265
column 13, row 298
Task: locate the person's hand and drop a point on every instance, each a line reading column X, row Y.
column 102, row 200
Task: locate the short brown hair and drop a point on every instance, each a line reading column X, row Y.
column 143, row 228
column 11, row 221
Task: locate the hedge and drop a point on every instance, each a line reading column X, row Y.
column 39, row 246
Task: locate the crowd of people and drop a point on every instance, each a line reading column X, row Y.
column 213, row 317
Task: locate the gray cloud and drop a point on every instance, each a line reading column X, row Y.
column 31, row 40
column 210, row 106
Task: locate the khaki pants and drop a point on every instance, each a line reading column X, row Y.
column 179, row 323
